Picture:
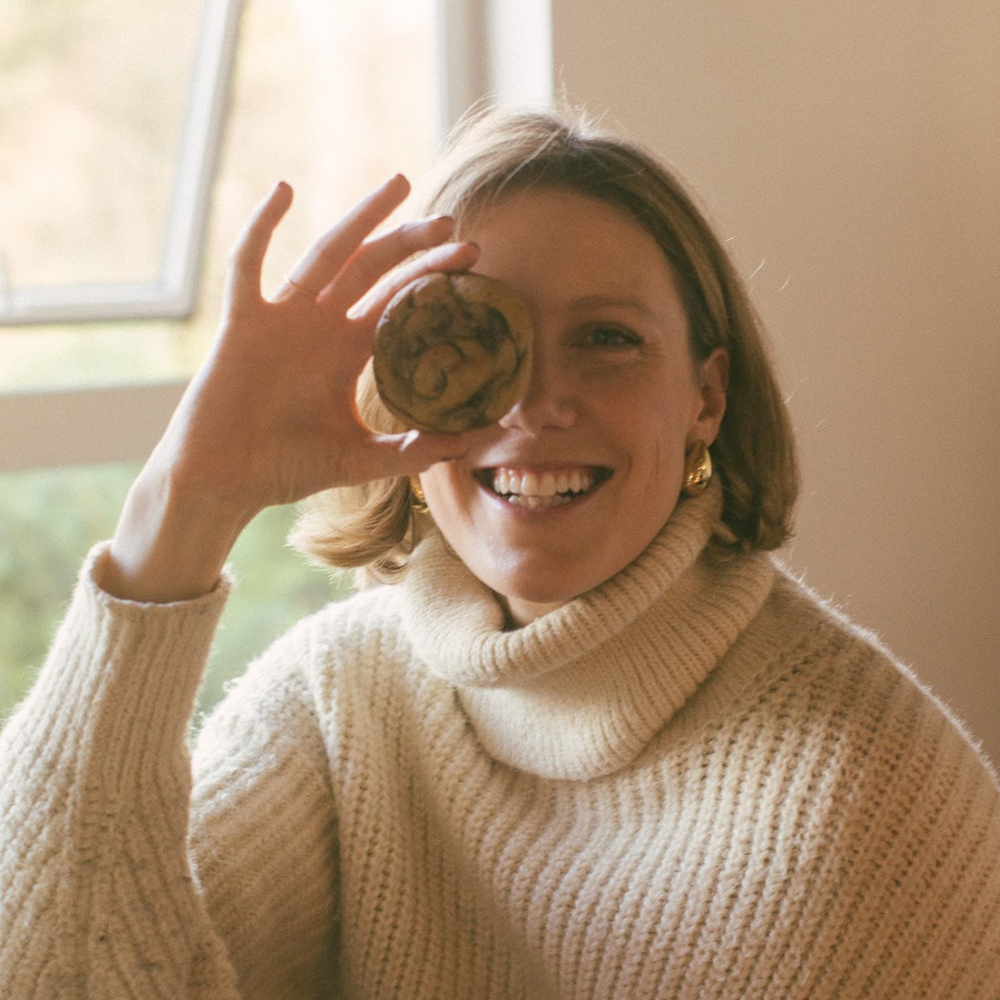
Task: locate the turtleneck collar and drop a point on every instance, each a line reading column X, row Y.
column 579, row 692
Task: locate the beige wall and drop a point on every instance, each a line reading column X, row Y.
column 851, row 153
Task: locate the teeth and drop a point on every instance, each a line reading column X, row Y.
column 535, row 486
column 516, row 500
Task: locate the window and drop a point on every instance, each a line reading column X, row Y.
column 330, row 96
column 117, row 110
column 112, row 118
column 103, row 161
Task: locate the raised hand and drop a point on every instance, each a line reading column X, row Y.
column 270, row 417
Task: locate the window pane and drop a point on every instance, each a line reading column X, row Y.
column 50, row 519
column 92, row 101
column 330, row 95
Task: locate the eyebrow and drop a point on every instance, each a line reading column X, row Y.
column 599, row 301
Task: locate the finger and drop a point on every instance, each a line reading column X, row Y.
column 410, row 454
column 380, row 254
column 416, row 451
column 322, row 262
column 449, row 257
column 247, row 257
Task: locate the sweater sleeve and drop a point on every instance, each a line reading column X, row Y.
column 99, row 893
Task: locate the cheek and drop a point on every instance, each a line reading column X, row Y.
column 452, row 495
column 653, row 432
column 440, row 486
column 654, row 414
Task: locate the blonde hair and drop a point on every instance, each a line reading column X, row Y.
column 496, row 153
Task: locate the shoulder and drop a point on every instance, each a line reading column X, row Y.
column 896, row 790
column 866, row 757
column 884, row 810
column 356, row 634
column 286, row 688
column 835, row 673
column 366, row 617
column 837, row 657
column 366, row 623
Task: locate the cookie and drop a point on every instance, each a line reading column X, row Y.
column 452, row 352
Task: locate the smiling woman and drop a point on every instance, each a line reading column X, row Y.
column 597, row 368
column 614, row 189
column 595, row 741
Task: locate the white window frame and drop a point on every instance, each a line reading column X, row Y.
column 173, row 294
column 50, row 429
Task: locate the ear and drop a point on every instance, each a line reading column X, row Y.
column 712, row 375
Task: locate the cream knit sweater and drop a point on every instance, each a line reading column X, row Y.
column 693, row 782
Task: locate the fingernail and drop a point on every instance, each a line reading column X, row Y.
column 439, row 222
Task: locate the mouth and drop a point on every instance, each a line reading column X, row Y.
column 522, row 487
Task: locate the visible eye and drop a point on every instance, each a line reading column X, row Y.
column 611, row 337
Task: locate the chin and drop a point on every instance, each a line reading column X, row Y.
column 542, row 588
column 541, row 595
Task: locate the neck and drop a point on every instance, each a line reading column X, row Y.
column 518, row 613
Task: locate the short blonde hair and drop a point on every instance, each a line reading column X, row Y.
column 496, row 153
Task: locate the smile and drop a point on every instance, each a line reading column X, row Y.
column 542, row 488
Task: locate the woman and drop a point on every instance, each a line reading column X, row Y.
column 593, row 742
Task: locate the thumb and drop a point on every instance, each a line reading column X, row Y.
column 415, row 451
column 419, row 450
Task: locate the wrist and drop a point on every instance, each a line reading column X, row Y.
column 170, row 543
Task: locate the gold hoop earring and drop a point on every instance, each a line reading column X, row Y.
column 697, row 469
column 418, row 502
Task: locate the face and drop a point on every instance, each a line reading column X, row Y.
column 582, row 474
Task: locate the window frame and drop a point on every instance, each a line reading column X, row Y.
column 173, row 295
column 122, row 423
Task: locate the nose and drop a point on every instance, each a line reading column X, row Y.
column 550, row 402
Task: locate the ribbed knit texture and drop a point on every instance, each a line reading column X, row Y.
column 694, row 782
column 542, row 697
